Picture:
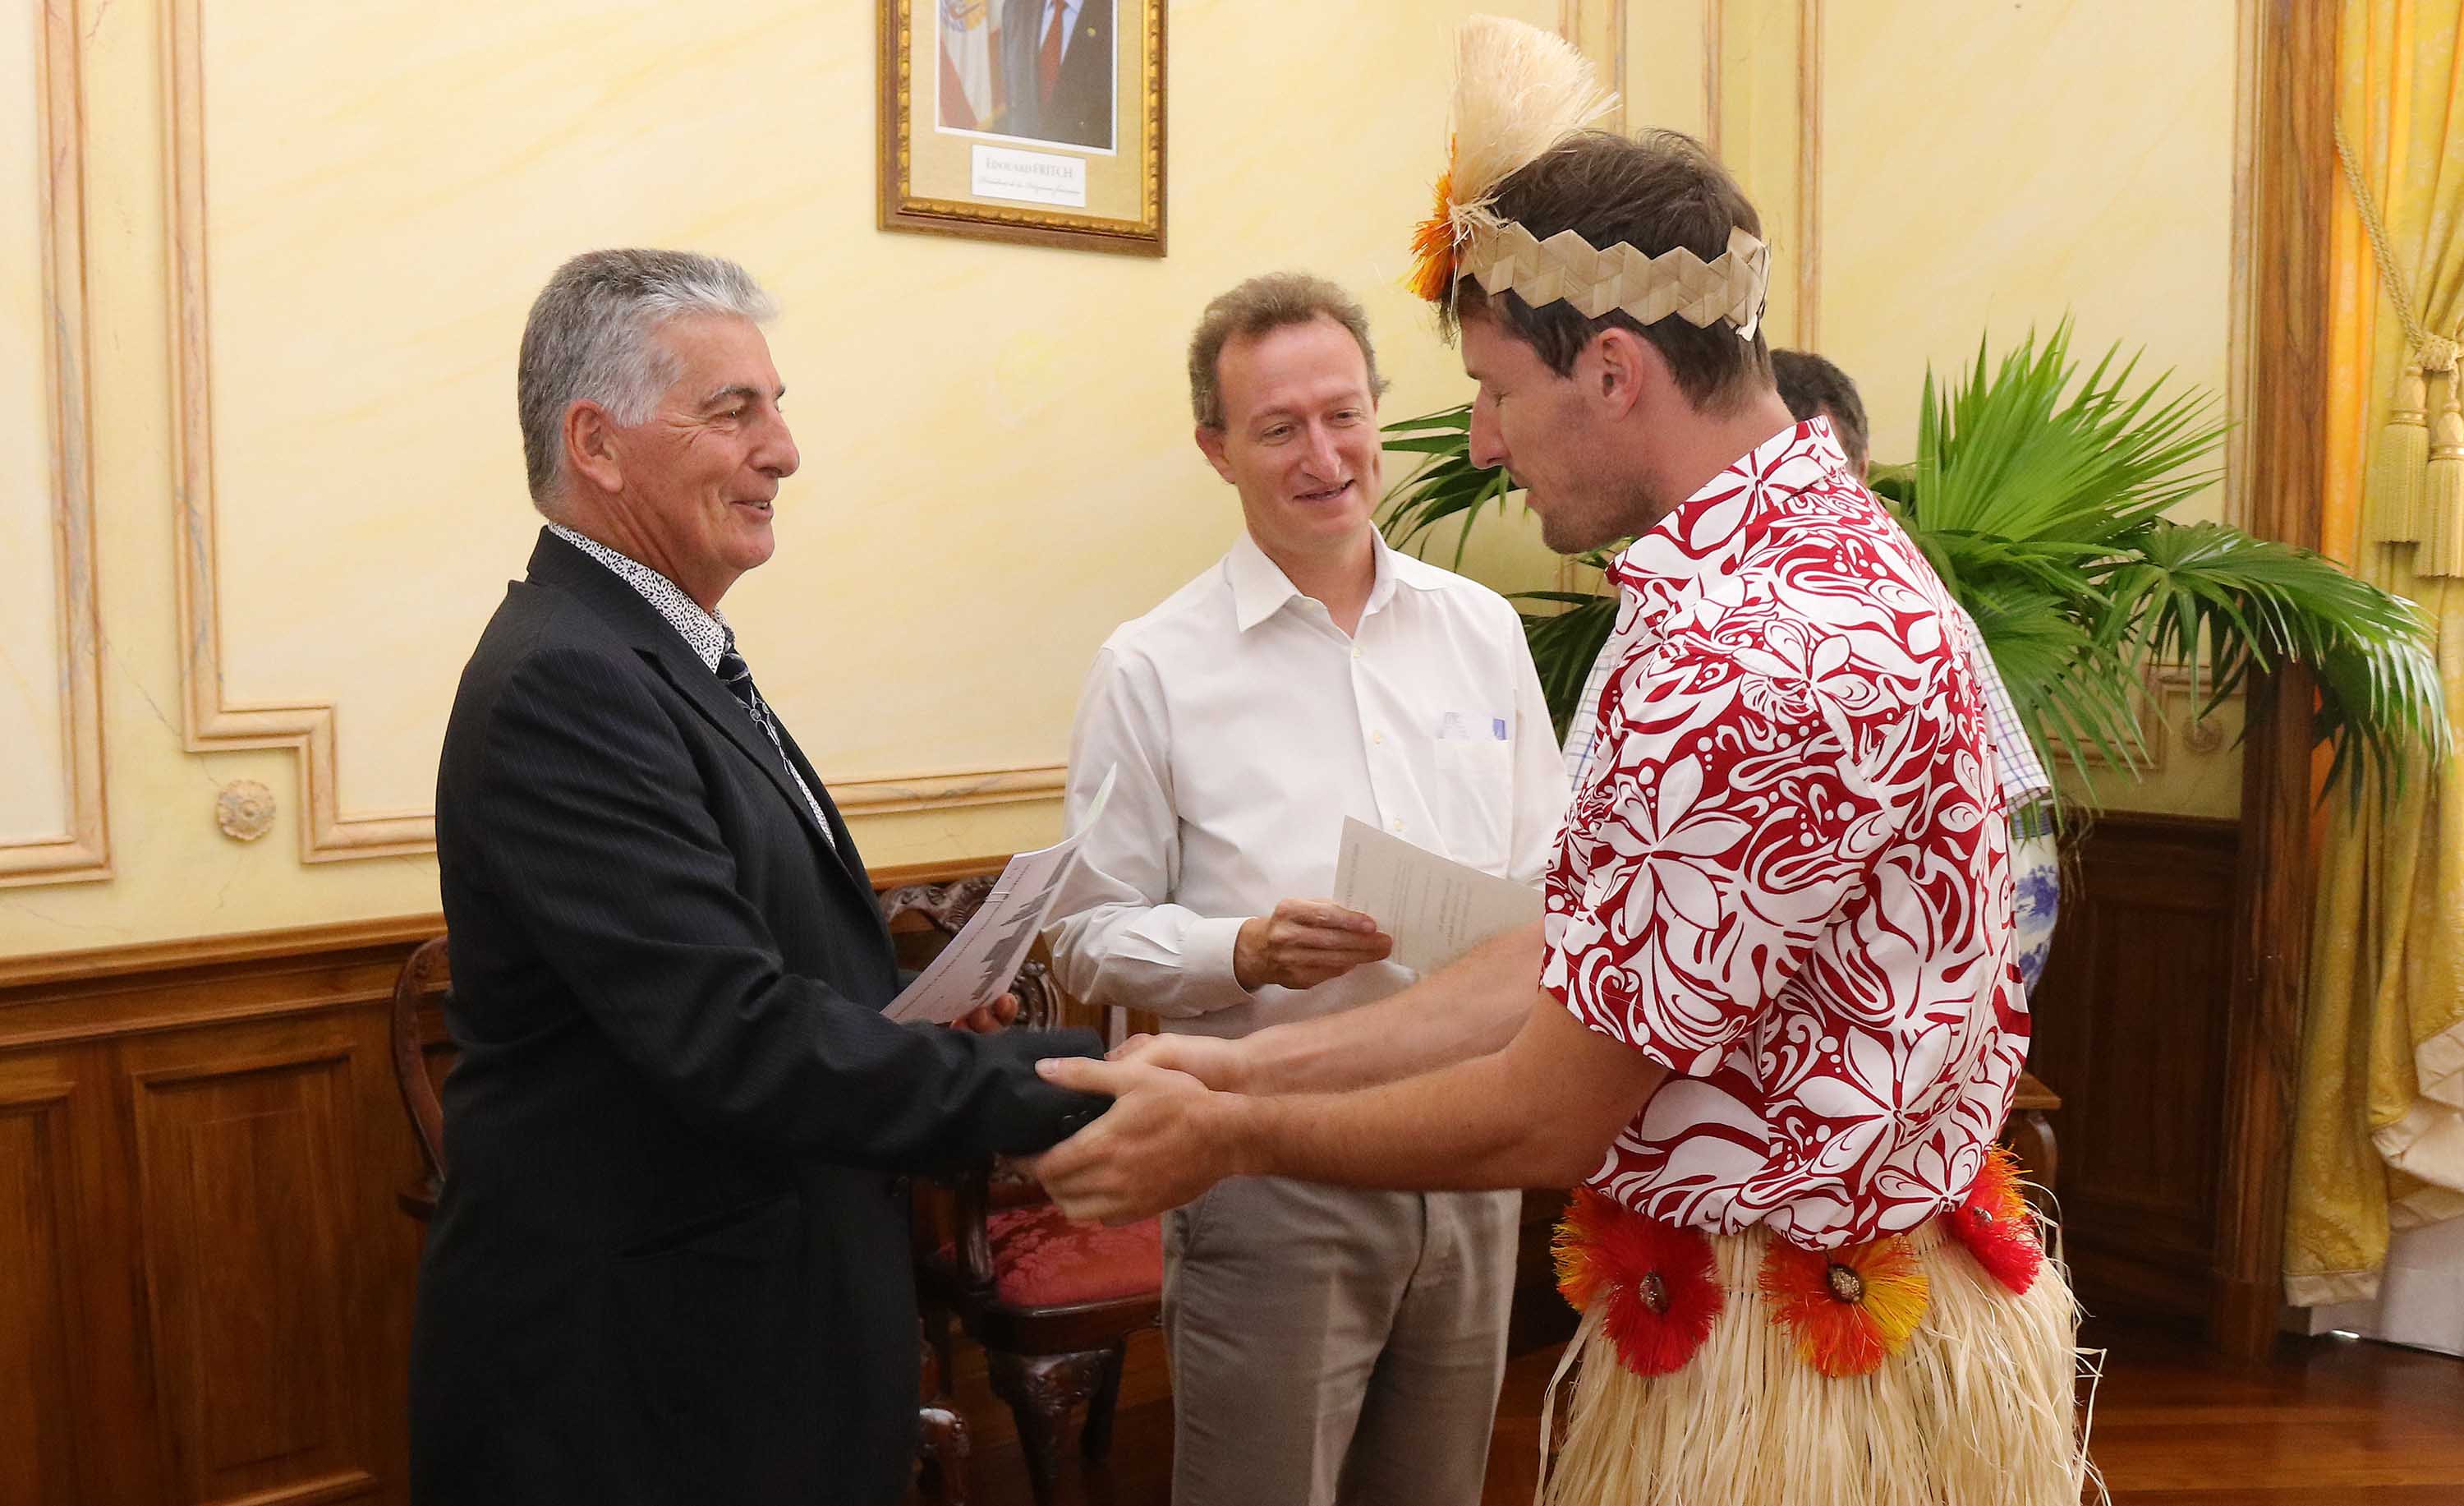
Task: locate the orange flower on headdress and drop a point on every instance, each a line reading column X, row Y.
column 1997, row 1226
column 1433, row 243
column 1659, row 1282
column 1850, row 1309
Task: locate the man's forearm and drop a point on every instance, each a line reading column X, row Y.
column 1469, row 1008
column 1469, row 1126
column 1538, row 1113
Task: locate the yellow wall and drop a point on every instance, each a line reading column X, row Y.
column 997, row 459
column 1931, row 171
column 1987, row 169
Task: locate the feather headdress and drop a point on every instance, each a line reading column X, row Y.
column 1519, row 91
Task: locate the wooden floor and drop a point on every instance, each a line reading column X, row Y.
column 2328, row 1422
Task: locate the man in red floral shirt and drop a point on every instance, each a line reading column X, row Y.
column 1777, row 1024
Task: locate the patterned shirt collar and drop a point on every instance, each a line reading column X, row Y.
column 706, row 633
column 1703, row 536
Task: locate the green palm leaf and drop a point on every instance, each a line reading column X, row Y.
column 2214, row 595
column 1443, row 486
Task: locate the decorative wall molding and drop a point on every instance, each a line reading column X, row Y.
column 172, row 969
column 211, row 722
column 1715, row 26
column 112, row 967
column 1762, row 98
column 891, row 794
column 83, row 852
column 2170, row 699
column 1808, row 175
column 2242, row 312
column 1597, row 28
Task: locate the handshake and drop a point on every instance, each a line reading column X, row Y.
column 1174, row 1130
column 1176, row 1126
column 1470, row 1078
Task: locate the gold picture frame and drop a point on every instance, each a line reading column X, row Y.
column 998, row 124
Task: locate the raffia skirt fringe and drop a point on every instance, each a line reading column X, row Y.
column 1987, row 1405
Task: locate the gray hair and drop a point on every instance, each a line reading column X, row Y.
column 589, row 340
column 1273, row 301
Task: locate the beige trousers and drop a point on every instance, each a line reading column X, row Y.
column 1330, row 1345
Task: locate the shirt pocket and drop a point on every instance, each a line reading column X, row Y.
column 1474, row 799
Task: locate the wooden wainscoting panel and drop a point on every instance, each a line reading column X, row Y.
column 206, row 1286
column 2130, row 1028
column 38, row 1249
column 75, row 1400
column 259, row 1216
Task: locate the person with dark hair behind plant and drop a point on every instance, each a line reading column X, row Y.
column 1814, row 388
column 1771, row 1019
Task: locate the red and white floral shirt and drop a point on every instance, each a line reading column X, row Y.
column 1785, row 875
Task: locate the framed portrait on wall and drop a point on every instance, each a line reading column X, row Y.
column 1025, row 119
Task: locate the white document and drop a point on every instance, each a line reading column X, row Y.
column 977, row 965
column 1435, row 908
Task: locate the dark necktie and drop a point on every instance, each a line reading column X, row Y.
column 1048, row 69
column 737, row 676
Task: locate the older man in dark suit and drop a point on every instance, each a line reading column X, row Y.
column 670, row 1260
column 1057, row 71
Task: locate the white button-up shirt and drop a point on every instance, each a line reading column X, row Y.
column 1246, row 726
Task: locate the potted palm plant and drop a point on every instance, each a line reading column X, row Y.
column 2041, row 500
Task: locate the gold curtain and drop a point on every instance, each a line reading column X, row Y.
column 2378, row 1129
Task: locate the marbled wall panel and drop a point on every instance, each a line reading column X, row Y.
column 33, row 790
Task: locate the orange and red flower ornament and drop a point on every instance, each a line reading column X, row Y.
column 1849, row 1309
column 1996, row 1224
column 1657, row 1284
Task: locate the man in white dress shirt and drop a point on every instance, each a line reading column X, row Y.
column 1327, row 1343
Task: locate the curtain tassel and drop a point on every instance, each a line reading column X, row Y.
column 2396, row 467
column 2442, row 499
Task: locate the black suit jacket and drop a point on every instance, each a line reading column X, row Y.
column 1080, row 111
column 670, row 1261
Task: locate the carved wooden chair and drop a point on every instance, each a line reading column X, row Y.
column 422, row 978
column 2030, row 1135
column 942, row 1450
column 1053, row 1304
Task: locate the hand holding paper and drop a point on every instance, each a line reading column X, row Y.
column 1303, row 943
column 1435, row 908
column 977, row 967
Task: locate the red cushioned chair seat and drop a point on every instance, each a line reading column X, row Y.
column 1041, row 1259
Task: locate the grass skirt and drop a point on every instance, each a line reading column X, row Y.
column 1980, row 1408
